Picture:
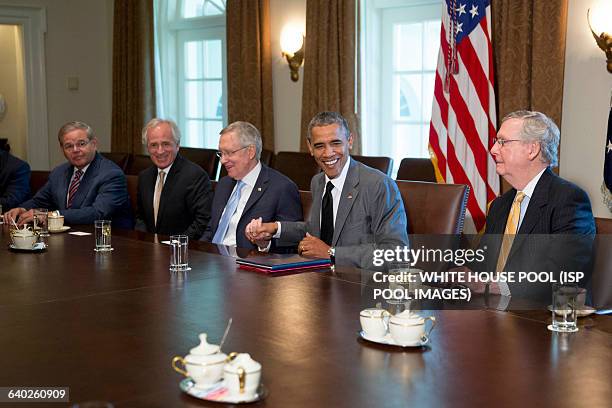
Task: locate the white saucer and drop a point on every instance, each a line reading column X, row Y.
column 37, row 247
column 388, row 340
column 582, row 312
column 218, row 392
column 62, row 229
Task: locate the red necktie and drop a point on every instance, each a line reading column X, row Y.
column 74, row 186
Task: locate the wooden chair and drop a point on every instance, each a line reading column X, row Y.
column 434, row 208
column 298, row 166
column 137, row 163
column 205, row 158
column 306, row 198
column 120, row 159
column 601, row 280
column 384, row 164
column 416, row 170
column 38, row 178
column 132, row 187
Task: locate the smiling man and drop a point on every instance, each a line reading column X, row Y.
column 250, row 189
column 175, row 194
column 86, row 188
column 355, row 209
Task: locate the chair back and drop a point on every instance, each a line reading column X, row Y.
column 384, row 164
column 38, row 178
column 132, row 188
column 416, row 170
column 306, row 198
column 298, row 166
column 120, row 159
column 601, row 282
column 205, row 158
column 137, row 163
column 433, row 208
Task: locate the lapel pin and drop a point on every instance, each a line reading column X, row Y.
column 258, row 188
column 350, row 196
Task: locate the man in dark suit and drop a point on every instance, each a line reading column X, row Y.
column 86, row 188
column 544, row 223
column 175, row 194
column 355, row 209
column 14, row 180
column 250, row 190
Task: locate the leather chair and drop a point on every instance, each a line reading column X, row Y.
column 267, row 156
column 434, row 208
column 601, row 283
column 120, row 159
column 384, row 164
column 306, row 198
column 416, row 170
column 205, row 158
column 137, row 163
column 298, row 166
column 38, row 178
column 132, row 188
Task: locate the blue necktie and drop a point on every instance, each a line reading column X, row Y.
column 230, row 209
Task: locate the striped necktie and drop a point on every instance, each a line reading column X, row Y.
column 510, row 231
column 74, row 186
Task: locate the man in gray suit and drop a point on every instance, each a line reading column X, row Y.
column 355, row 209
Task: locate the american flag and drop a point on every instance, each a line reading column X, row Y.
column 463, row 114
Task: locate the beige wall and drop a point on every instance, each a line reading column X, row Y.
column 78, row 43
column 586, row 103
column 13, row 126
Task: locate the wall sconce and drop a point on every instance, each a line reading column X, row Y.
column 292, row 48
column 603, row 24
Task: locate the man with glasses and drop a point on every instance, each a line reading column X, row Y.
column 250, row 190
column 86, row 188
column 175, row 194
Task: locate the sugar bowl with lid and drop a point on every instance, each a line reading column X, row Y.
column 408, row 328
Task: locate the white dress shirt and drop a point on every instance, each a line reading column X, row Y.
column 249, row 183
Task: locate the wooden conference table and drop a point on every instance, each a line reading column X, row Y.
column 108, row 325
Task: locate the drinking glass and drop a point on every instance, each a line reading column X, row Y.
column 103, row 235
column 179, row 254
column 41, row 218
column 564, row 317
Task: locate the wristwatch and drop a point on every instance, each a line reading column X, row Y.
column 332, row 256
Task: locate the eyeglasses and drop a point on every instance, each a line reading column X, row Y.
column 80, row 144
column 220, row 154
column 502, row 142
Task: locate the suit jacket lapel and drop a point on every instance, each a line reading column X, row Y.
column 347, row 199
column 315, row 210
column 86, row 181
column 224, row 193
column 169, row 184
column 63, row 191
column 258, row 190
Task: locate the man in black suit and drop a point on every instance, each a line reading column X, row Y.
column 544, row 223
column 14, row 181
column 250, row 190
column 174, row 195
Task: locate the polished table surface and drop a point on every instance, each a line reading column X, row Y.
column 108, row 325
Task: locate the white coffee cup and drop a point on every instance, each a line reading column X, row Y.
column 56, row 222
column 204, row 363
column 408, row 328
column 242, row 376
column 23, row 238
column 374, row 322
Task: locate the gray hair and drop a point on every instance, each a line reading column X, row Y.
column 537, row 127
column 176, row 133
column 247, row 134
column 329, row 118
column 74, row 125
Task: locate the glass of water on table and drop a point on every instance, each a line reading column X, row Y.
column 103, row 235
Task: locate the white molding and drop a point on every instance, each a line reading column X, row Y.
column 33, row 21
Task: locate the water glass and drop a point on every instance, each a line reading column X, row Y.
column 179, row 254
column 103, row 235
column 41, row 218
column 564, row 305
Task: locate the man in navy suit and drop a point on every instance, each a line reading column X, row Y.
column 14, row 180
column 86, row 188
column 175, row 194
column 553, row 227
column 250, row 190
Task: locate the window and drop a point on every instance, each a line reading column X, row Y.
column 190, row 68
column 401, row 41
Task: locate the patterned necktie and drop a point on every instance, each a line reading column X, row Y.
column 74, row 186
column 510, row 231
column 230, row 209
column 158, row 191
column 327, row 215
